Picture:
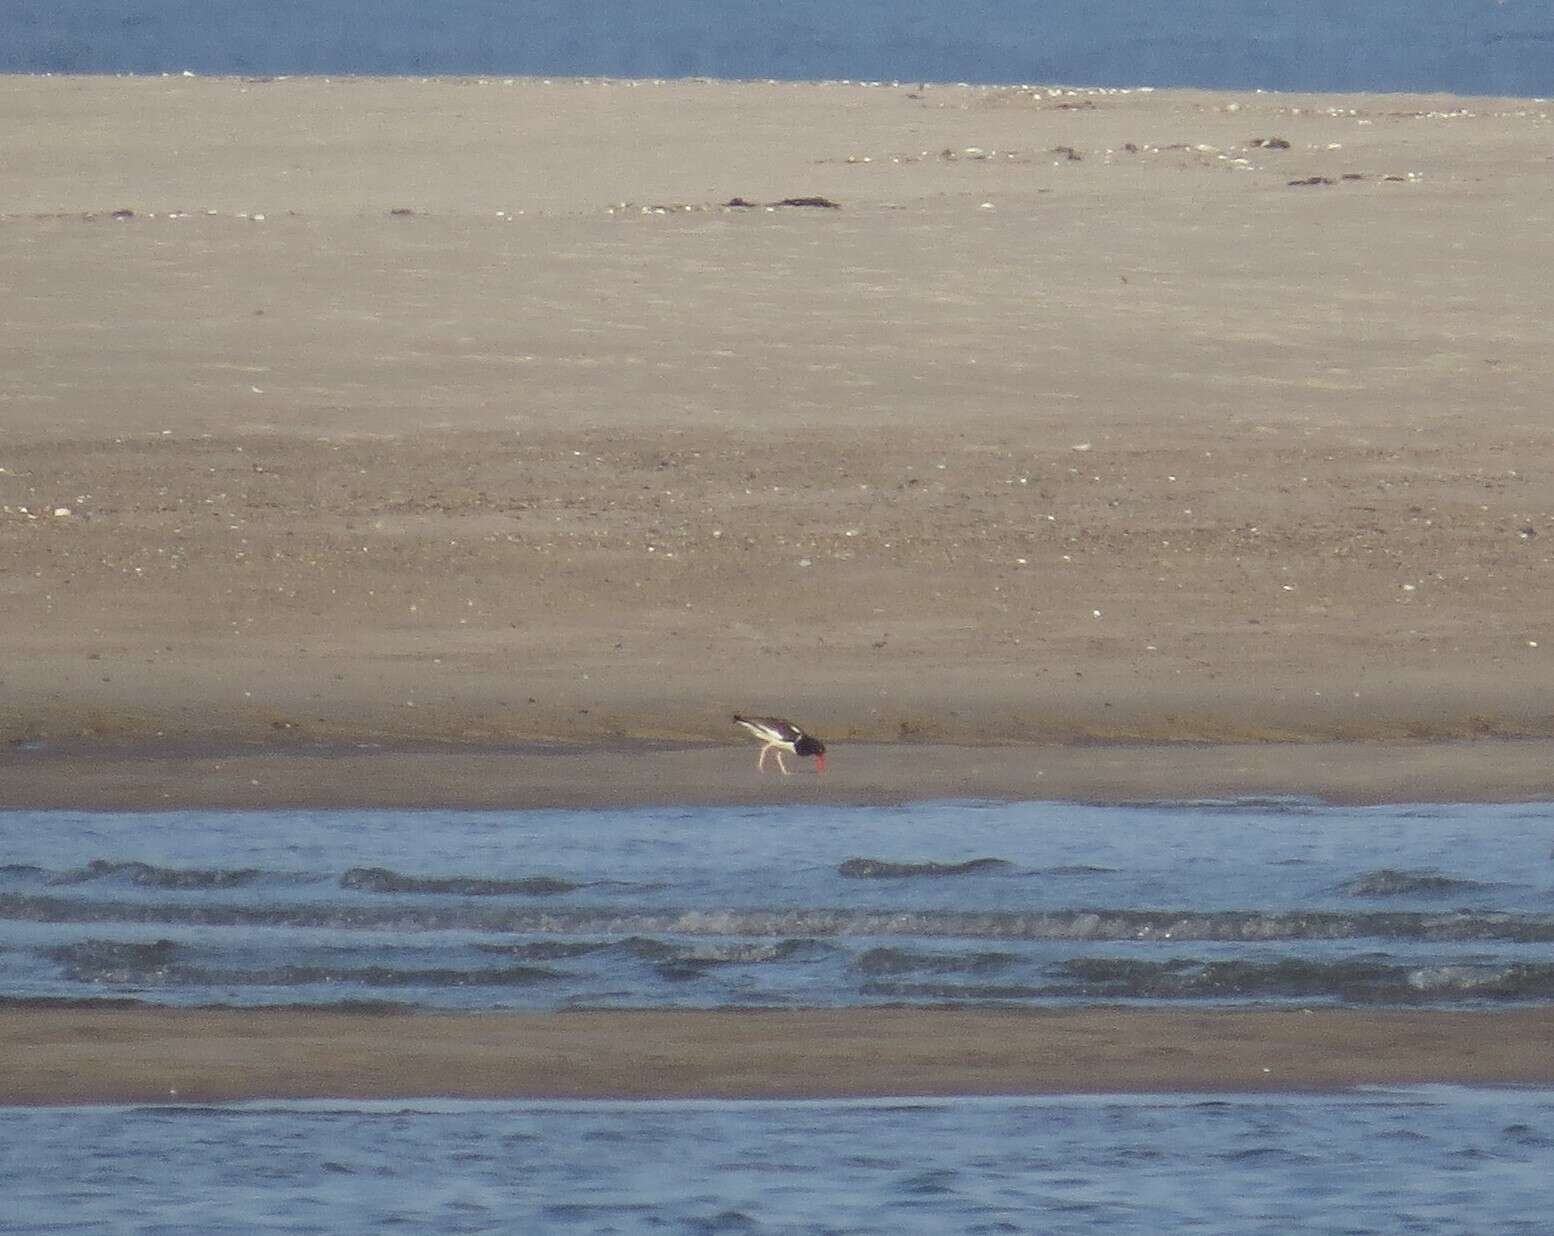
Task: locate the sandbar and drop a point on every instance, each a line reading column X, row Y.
column 142, row 1055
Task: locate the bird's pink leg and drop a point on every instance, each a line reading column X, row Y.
column 760, row 764
column 786, row 771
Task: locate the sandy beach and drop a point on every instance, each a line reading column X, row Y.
column 456, row 442
column 466, row 411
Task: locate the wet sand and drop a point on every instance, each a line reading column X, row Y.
column 108, row 776
column 456, row 443
column 70, row 1056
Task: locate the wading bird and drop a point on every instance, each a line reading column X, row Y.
column 780, row 736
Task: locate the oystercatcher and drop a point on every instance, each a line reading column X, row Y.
column 780, row 736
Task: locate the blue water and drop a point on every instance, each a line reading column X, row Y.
column 960, row 903
column 1274, row 902
column 1406, row 1161
column 1465, row 46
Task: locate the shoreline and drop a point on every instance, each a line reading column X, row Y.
column 81, row 1056
column 366, row 774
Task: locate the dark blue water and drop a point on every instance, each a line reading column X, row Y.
column 1408, row 1161
column 961, row 903
column 1464, row 46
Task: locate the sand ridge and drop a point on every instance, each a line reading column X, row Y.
column 195, row 1056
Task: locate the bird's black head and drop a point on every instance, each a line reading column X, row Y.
column 809, row 745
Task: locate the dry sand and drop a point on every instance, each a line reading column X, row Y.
column 1146, row 444
column 419, row 442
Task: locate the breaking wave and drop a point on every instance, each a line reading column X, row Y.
column 163, row 964
column 910, row 961
column 1181, row 979
column 149, row 876
column 883, row 869
column 1387, row 882
column 382, row 880
column 1067, row 924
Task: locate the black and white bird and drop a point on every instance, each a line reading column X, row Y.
column 780, row 736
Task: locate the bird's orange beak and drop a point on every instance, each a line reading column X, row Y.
column 820, row 763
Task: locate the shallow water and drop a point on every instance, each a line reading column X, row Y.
column 1436, row 1160
column 937, row 903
